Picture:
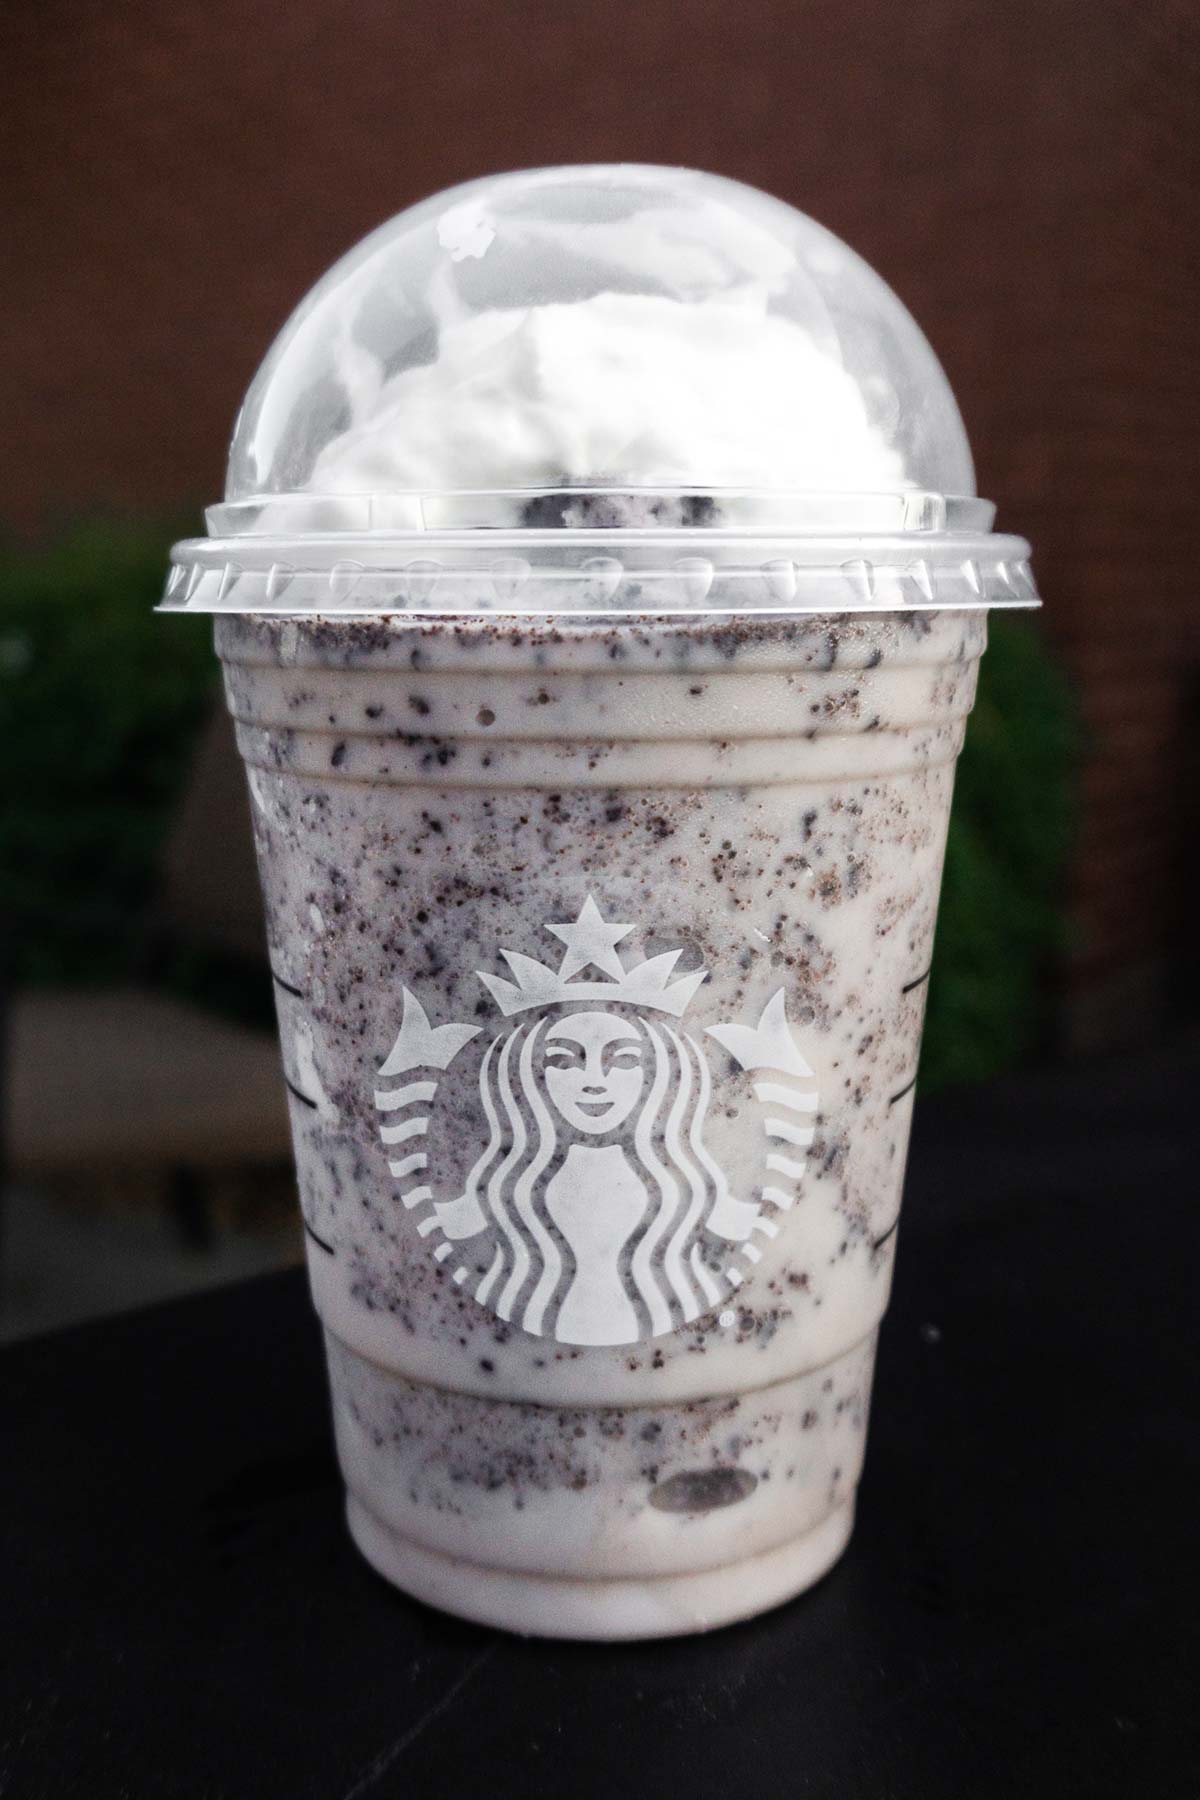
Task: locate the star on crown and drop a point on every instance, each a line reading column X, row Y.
column 591, row 943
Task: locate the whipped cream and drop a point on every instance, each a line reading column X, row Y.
column 618, row 389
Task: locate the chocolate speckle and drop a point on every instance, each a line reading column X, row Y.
column 703, row 1490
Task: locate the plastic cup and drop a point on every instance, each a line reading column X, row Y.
column 600, row 862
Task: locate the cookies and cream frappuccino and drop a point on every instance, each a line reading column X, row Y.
column 600, row 788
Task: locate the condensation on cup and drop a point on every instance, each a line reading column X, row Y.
column 600, row 588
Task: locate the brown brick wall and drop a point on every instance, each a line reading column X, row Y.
column 1024, row 174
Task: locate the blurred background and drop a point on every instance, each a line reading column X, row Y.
column 175, row 177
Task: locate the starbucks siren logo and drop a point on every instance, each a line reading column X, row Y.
column 594, row 1212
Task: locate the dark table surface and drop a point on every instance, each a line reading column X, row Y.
column 183, row 1613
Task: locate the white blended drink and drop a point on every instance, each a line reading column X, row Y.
column 601, row 593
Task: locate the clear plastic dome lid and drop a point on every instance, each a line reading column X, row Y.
column 626, row 350
column 596, row 328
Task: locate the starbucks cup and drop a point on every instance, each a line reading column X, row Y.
column 600, row 592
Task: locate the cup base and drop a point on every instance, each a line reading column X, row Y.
column 607, row 1609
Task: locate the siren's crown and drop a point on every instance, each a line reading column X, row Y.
column 591, row 944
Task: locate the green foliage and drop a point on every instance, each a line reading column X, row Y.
column 99, row 702
column 99, row 706
column 1000, row 922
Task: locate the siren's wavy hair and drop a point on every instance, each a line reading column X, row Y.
column 663, row 1260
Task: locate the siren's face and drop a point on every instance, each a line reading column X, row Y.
column 594, row 1070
